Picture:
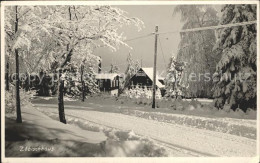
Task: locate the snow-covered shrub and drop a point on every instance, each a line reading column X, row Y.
column 26, row 96
column 158, row 94
column 142, row 93
column 10, row 99
column 147, row 93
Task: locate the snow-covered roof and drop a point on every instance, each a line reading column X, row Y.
column 109, row 76
column 149, row 73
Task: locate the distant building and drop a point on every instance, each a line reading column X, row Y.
column 108, row 82
column 144, row 77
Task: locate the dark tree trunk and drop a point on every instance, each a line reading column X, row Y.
column 61, row 82
column 27, row 82
column 61, row 102
column 176, row 85
column 118, row 86
column 41, row 89
column 18, row 106
column 82, row 82
column 7, row 76
column 44, row 85
column 83, row 91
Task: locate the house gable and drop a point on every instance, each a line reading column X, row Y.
column 147, row 73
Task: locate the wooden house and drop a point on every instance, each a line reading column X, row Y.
column 144, row 77
column 108, row 82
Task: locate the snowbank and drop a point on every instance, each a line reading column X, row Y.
column 196, row 142
column 39, row 135
column 120, row 143
column 240, row 127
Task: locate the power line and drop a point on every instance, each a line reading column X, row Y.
column 131, row 39
column 135, row 38
column 193, row 30
column 211, row 27
column 188, row 30
column 196, row 29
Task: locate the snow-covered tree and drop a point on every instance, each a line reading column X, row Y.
column 89, row 26
column 63, row 31
column 132, row 68
column 114, row 69
column 195, row 48
column 174, row 78
column 31, row 37
column 22, row 25
column 235, row 78
column 33, row 42
column 82, row 79
column 78, row 26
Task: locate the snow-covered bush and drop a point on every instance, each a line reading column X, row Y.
column 26, row 97
column 10, row 99
column 158, row 94
column 142, row 93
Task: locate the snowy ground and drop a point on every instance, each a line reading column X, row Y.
column 215, row 120
column 239, row 127
column 39, row 135
column 176, row 139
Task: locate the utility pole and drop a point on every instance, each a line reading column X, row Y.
column 154, row 66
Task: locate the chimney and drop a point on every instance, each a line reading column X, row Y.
column 99, row 65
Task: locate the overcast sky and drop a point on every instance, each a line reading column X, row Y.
column 144, row 48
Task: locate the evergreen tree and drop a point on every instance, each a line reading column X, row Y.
column 132, row 68
column 235, row 79
column 80, row 80
column 174, row 79
column 114, row 69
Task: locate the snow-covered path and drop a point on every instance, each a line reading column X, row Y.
column 195, row 141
